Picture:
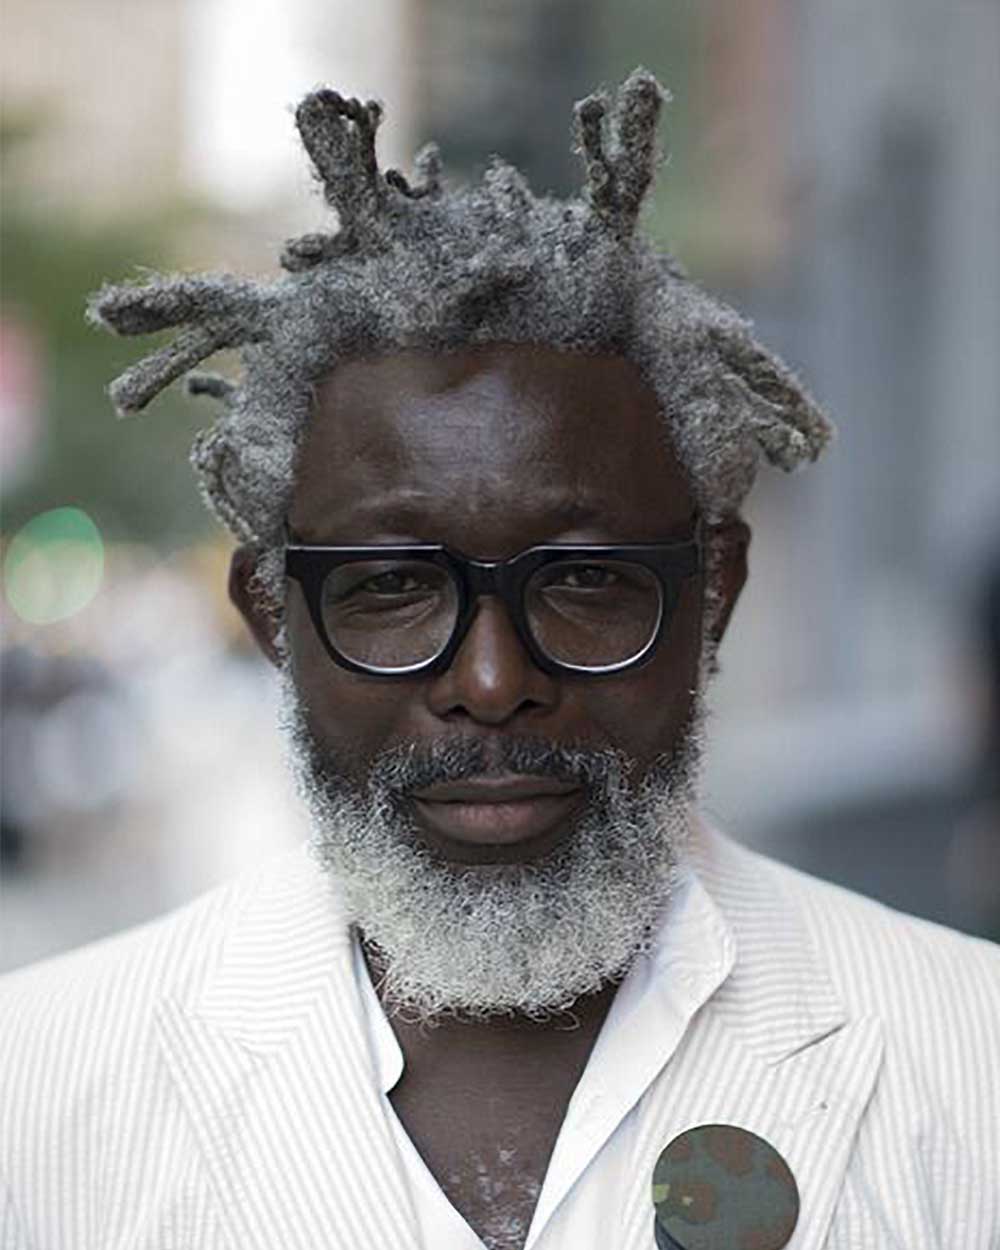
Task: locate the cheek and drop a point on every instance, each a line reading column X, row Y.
column 643, row 712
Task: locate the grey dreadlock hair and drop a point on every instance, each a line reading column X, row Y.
column 415, row 265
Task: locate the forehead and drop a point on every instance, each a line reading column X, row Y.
column 490, row 441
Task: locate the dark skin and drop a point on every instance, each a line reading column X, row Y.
column 492, row 450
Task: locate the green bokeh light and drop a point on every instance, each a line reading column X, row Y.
column 54, row 566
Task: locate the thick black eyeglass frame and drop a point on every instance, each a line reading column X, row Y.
column 672, row 562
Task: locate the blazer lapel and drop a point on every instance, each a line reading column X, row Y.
column 773, row 1051
column 272, row 1064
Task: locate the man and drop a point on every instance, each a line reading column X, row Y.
column 485, row 468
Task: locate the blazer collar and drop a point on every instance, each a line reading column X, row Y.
column 779, row 997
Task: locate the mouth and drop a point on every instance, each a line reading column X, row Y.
column 497, row 818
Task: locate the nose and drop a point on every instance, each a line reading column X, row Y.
column 492, row 677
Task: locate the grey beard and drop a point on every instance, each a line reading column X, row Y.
column 521, row 938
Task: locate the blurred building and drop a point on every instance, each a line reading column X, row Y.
column 250, row 63
column 851, row 683
column 137, row 104
column 105, row 82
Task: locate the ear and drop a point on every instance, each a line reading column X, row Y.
column 728, row 544
column 248, row 602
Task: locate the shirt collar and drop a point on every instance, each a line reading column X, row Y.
column 690, row 955
column 386, row 1052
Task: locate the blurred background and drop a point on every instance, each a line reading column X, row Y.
column 834, row 168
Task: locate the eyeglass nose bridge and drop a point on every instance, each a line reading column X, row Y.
column 491, row 577
column 486, row 577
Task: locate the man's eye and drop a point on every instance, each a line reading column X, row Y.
column 584, row 577
column 368, row 586
column 393, row 583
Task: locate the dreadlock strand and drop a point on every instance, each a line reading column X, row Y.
column 320, row 121
column 427, row 167
column 781, row 445
column 509, row 190
column 310, row 250
column 368, row 120
column 398, row 181
column 208, row 456
column 637, row 112
column 787, row 423
column 133, row 390
column 339, row 135
column 171, row 301
column 427, row 175
column 214, row 385
column 590, row 118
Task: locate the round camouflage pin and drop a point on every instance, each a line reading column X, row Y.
column 719, row 1187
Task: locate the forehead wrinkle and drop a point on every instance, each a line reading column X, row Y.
column 506, row 444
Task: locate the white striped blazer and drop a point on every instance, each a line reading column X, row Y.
column 204, row 1081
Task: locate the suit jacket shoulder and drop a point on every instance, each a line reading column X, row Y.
column 920, row 977
column 926, row 1162
column 84, row 1092
column 127, row 971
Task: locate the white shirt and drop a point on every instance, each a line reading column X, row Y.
column 692, row 955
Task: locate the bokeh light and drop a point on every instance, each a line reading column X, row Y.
column 54, row 566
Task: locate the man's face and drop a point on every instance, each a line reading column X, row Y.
column 491, row 451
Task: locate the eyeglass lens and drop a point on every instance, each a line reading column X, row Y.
column 398, row 613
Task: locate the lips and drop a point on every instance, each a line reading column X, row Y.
column 509, row 788
column 499, row 812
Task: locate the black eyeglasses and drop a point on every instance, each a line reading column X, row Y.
column 402, row 611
